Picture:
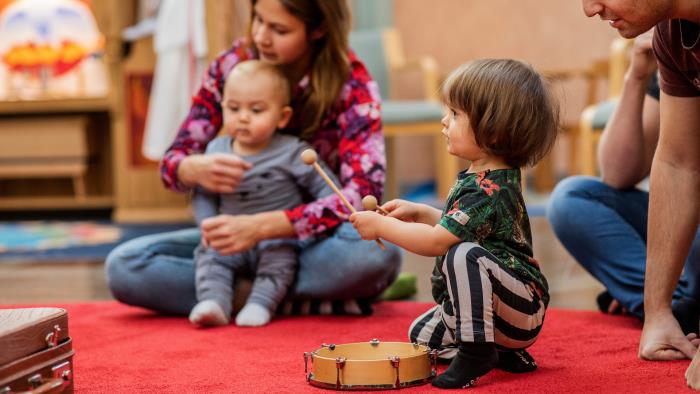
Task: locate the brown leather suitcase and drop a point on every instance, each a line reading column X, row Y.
column 36, row 352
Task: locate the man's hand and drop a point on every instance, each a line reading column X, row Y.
column 229, row 234
column 367, row 224
column 642, row 60
column 216, row 172
column 662, row 339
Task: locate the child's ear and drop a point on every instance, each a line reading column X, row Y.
column 285, row 116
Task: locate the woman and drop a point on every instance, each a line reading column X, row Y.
column 336, row 107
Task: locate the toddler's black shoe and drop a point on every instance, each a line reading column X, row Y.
column 516, row 361
column 472, row 361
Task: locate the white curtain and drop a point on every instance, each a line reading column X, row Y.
column 180, row 42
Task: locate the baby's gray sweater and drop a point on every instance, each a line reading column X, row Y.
column 278, row 180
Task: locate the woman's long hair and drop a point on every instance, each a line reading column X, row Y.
column 330, row 66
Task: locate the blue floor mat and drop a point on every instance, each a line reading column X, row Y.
column 60, row 241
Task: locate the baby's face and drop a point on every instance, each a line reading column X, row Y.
column 253, row 108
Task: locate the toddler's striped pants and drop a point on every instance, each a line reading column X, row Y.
column 487, row 303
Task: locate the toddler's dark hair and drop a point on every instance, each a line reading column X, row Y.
column 509, row 106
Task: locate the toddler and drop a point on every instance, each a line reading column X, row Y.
column 491, row 295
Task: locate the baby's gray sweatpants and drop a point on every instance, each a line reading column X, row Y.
column 272, row 263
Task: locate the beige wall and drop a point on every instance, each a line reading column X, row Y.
column 550, row 34
column 547, row 33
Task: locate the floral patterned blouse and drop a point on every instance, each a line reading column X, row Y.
column 349, row 139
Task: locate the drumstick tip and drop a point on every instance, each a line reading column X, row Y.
column 369, row 202
column 309, row 156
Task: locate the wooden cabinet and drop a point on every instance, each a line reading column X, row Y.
column 55, row 155
column 79, row 153
column 49, row 147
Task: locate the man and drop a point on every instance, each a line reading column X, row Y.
column 602, row 222
column 674, row 204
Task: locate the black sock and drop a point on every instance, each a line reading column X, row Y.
column 687, row 312
column 474, row 359
column 516, row 361
column 604, row 300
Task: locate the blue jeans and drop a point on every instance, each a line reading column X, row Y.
column 157, row 271
column 605, row 230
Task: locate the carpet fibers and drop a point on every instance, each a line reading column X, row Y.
column 121, row 349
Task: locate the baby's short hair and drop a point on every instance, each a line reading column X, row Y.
column 510, row 108
column 253, row 66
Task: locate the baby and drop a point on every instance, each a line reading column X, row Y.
column 255, row 104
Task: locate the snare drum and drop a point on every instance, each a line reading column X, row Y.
column 372, row 365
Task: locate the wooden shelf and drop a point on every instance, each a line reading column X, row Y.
column 55, row 202
column 153, row 215
column 59, row 105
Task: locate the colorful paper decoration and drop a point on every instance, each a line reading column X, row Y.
column 44, row 40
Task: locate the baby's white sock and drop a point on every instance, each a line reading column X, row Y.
column 208, row 313
column 253, row 315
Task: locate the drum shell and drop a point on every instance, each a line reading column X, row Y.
column 368, row 366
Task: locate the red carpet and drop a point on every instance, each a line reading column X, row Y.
column 120, row 349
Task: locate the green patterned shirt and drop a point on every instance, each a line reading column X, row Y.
column 487, row 208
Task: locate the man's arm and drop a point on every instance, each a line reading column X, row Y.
column 628, row 142
column 627, row 145
column 674, row 212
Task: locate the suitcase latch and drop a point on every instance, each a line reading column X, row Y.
column 62, row 371
column 52, row 337
column 61, row 376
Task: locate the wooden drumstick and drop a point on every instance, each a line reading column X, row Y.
column 369, row 202
column 310, row 157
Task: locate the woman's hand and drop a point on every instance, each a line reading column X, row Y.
column 367, row 224
column 229, row 234
column 216, row 172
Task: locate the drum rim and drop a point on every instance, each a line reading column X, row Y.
column 421, row 346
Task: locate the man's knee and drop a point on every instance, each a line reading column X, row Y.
column 562, row 209
column 569, row 188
